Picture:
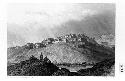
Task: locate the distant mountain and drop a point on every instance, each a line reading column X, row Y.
column 106, row 40
column 71, row 48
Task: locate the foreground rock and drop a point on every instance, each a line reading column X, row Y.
column 32, row 67
column 44, row 67
column 103, row 68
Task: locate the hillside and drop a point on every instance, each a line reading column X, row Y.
column 70, row 48
column 104, row 68
column 44, row 67
column 106, row 40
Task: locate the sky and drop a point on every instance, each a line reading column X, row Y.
column 34, row 22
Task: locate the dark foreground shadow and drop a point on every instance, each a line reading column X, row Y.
column 44, row 67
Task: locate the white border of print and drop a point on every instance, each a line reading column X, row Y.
column 120, row 38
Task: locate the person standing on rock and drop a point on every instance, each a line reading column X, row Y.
column 41, row 57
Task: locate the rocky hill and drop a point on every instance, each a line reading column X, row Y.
column 72, row 48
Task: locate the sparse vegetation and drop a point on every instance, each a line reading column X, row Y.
column 32, row 67
column 99, row 69
column 36, row 67
column 77, row 44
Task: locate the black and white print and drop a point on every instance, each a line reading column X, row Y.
column 61, row 39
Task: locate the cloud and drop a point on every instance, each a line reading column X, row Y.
column 48, row 15
column 93, row 26
column 34, row 22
